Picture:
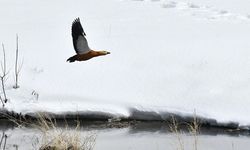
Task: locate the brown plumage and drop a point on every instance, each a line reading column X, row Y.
column 87, row 56
column 83, row 52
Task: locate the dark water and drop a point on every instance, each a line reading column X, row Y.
column 130, row 136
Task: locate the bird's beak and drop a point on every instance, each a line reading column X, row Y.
column 108, row 52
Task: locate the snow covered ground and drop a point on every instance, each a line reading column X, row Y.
column 166, row 57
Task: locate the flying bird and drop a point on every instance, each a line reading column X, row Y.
column 83, row 52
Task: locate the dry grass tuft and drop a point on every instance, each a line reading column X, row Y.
column 57, row 138
column 193, row 128
column 54, row 137
column 174, row 127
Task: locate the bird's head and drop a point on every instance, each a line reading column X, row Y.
column 104, row 52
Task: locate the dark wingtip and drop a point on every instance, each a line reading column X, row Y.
column 76, row 20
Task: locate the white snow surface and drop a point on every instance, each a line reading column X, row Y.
column 166, row 57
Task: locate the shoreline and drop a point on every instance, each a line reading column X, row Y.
column 136, row 125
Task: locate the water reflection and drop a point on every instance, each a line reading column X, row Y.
column 126, row 135
column 3, row 140
column 134, row 127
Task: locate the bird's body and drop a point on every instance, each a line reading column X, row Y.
column 83, row 52
column 87, row 56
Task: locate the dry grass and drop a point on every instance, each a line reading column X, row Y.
column 193, row 128
column 55, row 138
column 174, row 127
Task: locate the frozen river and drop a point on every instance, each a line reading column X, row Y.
column 142, row 136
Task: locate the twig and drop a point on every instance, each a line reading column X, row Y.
column 5, row 140
column 3, row 87
column 2, row 100
column 4, row 62
column 2, row 139
column 17, row 69
column 4, row 74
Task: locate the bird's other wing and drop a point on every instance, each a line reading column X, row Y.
column 79, row 41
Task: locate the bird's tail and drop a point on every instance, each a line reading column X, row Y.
column 72, row 59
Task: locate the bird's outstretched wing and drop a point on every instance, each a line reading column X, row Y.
column 79, row 41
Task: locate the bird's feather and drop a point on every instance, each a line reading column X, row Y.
column 79, row 41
